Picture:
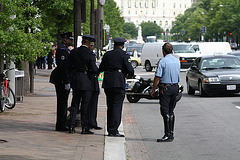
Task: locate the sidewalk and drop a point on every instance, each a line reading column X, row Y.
column 27, row 132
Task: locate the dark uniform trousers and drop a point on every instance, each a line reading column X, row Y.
column 115, row 97
column 93, row 109
column 168, row 100
column 84, row 96
column 62, row 103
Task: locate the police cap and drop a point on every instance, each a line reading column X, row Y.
column 68, row 35
column 89, row 37
column 119, row 40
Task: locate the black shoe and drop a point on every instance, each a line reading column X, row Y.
column 65, row 128
column 85, row 131
column 165, row 139
column 116, row 135
column 97, row 128
column 72, row 130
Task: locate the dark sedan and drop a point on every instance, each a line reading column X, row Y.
column 214, row 75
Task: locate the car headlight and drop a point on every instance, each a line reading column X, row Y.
column 211, row 80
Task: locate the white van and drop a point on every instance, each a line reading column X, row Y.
column 211, row 48
column 185, row 53
column 151, row 53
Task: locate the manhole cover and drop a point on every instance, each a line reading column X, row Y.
column 2, row 141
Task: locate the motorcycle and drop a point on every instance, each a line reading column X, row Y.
column 139, row 87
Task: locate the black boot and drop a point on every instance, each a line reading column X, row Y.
column 171, row 126
column 165, row 138
column 72, row 130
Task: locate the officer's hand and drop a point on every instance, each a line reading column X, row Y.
column 152, row 93
column 67, row 86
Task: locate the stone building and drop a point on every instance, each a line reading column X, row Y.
column 161, row 12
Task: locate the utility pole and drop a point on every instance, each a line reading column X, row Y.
column 77, row 21
column 92, row 23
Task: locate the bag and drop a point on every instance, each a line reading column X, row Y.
column 53, row 77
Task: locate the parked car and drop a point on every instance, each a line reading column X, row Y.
column 135, row 62
column 214, row 75
column 235, row 53
column 234, row 46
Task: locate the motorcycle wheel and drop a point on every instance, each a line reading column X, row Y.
column 179, row 96
column 133, row 99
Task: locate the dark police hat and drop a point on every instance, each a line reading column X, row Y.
column 89, row 37
column 119, row 40
column 68, row 35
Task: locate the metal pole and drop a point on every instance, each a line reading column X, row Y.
column 77, row 21
column 92, row 31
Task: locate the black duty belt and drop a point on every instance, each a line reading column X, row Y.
column 168, row 84
column 81, row 71
column 113, row 70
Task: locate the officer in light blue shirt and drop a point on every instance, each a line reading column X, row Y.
column 167, row 78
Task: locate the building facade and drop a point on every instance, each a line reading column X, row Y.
column 161, row 12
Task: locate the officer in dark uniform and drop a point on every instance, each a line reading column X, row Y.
column 84, row 68
column 60, row 78
column 116, row 66
column 93, row 105
column 167, row 77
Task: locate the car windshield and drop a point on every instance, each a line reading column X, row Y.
column 220, row 63
column 183, row 49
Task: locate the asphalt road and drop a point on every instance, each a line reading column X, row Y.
column 206, row 128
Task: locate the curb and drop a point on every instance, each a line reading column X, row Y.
column 115, row 147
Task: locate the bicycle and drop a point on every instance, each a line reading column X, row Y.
column 8, row 99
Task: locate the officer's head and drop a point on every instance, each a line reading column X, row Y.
column 88, row 40
column 119, row 42
column 68, row 38
column 167, row 48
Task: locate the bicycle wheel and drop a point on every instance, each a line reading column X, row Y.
column 10, row 100
column 2, row 106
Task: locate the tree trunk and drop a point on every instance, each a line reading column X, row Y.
column 25, row 66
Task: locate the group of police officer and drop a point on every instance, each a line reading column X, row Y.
column 77, row 69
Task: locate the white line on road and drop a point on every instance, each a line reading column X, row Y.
column 238, row 107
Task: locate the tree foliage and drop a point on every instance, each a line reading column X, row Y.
column 150, row 29
column 112, row 16
column 221, row 17
column 130, row 29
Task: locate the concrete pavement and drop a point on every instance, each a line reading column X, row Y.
column 27, row 132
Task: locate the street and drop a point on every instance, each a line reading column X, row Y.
column 206, row 128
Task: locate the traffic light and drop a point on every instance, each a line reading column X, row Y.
column 230, row 34
column 201, row 30
column 204, row 29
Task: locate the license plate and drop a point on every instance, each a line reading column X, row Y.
column 231, row 87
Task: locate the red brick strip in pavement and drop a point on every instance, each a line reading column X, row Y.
column 29, row 129
column 135, row 147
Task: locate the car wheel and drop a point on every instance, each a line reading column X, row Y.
column 134, row 64
column 190, row 91
column 148, row 66
column 133, row 99
column 202, row 93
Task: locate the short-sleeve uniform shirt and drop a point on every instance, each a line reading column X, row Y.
column 169, row 69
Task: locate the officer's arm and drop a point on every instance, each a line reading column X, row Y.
column 93, row 65
column 62, row 65
column 155, row 83
column 128, row 66
column 102, row 64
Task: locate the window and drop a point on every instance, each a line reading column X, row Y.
column 166, row 23
column 129, row 4
column 129, row 12
column 174, row 13
column 174, row 5
column 160, row 23
column 163, row 5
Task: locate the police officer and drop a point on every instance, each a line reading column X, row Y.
column 94, row 101
column 60, row 78
column 116, row 66
column 83, row 66
column 167, row 77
